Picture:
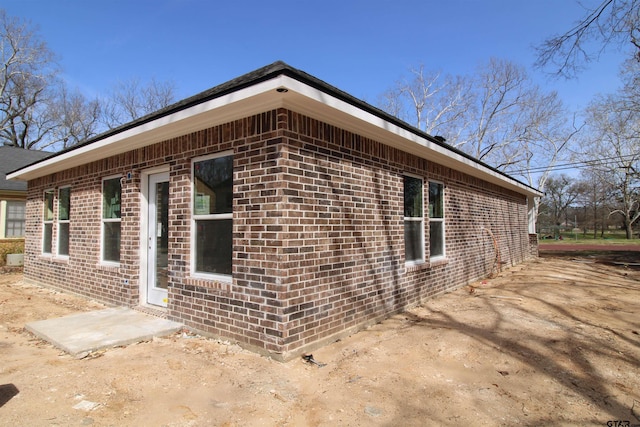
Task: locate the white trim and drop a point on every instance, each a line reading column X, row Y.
column 158, row 176
column 58, row 221
column 532, row 217
column 207, row 114
column 420, row 219
column 103, row 220
column 46, row 221
column 144, row 227
column 4, row 217
column 377, row 128
column 226, row 278
column 441, row 220
column 261, row 97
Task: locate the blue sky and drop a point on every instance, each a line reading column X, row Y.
column 362, row 47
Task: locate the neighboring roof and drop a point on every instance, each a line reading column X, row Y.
column 274, row 86
column 12, row 158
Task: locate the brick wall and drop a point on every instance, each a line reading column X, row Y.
column 318, row 232
column 343, row 236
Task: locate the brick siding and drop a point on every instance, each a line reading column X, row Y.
column 318, row 237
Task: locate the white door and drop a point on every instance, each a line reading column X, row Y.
column 158, row 239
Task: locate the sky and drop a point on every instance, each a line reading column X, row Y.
column 361, row 47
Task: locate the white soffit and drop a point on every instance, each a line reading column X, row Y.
column 322, row 106
column 251, row 100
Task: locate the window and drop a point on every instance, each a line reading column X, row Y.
column 212, row 215
column 111, row 197
column 413, row 220
column 47, row 222
column 436, row 220
column 15, row 218
column 64, row 208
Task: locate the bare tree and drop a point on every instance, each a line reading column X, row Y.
column 429, row 100
column 595, row 195
column 502, row 94
column 77, row 118
column 549, row 133
column 615, row 135
column 498, row 115
column 562, row 191
column 131, row 99
column 630, row 92
column 27, row 73
column 611, row 22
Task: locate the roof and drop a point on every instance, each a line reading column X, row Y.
column 273, row 86
column 12, row 158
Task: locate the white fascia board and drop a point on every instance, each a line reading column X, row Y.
column 241, row 103
column 377, row 128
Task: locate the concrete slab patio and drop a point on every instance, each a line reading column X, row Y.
column 95, row 330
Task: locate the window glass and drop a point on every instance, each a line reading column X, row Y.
column 111, row 245
column 213, row 186
column 64, row 208
column 47, row 224
column 111, row 192
column 64, row 203
column 436, row 220
column 48, row 205
column 436, row 203
column 436, row 238
column 412, row 197
column 63, row 239
column 214, row 246
column 413, row 220
column 47, row 239
column 111, row 228
column 212, row 212
column 16, row 214
column 413, row 240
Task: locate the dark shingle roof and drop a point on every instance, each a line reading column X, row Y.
column 12, row 158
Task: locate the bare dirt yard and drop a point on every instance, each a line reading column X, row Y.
column 554, row 341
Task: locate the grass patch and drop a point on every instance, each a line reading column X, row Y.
column 608, row 239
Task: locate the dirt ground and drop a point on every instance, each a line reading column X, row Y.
column 551, row 342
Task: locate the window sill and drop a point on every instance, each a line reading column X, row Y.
column 54, row 258
column 111, row 266
column 220, row 283
column 425, row 265
column 439, row 261
column 415, row 266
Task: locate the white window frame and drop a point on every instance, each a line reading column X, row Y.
column 104, row 220
column 46, row 221
column 63, row 221
column 420, row 219
column 194, row 218
column 440, row 220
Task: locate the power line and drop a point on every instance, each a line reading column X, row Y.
column 605, row 161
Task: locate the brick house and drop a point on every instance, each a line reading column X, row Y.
column 13, row 195
column 274, row 210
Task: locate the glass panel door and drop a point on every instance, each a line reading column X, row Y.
column 158, row 239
